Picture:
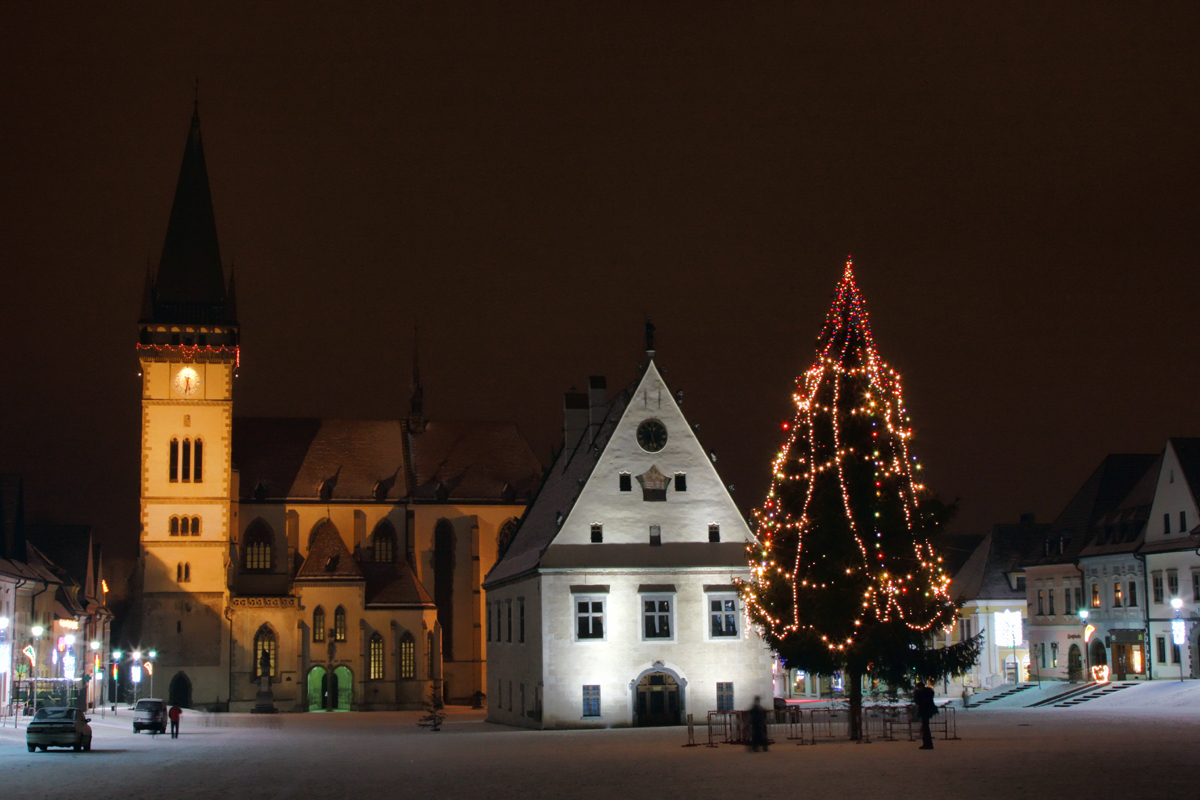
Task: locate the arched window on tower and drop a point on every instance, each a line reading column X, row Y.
column 375, row 662
column 179, row 572
column 318, row 626
column 173, row 467
column 383, row 542
column 408, row 656
column 186, row 462
column 187, row 572
column 195, row 526
column 258, row 544
column 185, row 526
column 198, row 471
column 339, row 624
column 264, row 641
column 174, row 526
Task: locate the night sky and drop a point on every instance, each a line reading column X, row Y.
column 1017, row 185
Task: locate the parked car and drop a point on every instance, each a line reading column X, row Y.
column 150, row 715
column 59, row 726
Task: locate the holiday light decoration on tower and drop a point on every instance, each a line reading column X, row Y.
column 843, row 574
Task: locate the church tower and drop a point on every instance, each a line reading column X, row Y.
column 188, row 349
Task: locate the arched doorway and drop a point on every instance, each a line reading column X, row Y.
column 1097, row 655
column 659, row 700
column 318, row 689
column 1074, row 664
column 341, row 689
column 180, row 691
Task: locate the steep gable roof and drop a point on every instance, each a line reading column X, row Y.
column 1187, row 450
column 328, row 558
column 394, row 584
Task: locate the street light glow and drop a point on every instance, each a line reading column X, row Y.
column 1176, row 603
column 37, row 630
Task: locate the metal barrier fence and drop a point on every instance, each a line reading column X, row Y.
column 812, row 725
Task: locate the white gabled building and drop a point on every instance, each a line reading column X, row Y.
column 615, row 603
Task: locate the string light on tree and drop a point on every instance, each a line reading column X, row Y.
column 844, row 576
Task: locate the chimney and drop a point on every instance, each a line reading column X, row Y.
column 597, row 404
column 575, row 419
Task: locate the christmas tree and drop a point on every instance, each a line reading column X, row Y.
column 844, row 576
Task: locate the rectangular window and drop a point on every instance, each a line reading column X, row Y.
column 1183, row 522
column 1196, row 587
column 591, row 701
column 722, row 616
column 655, row 535
column 508, row 607
column 714, row 532
column 1041, row 602
column 597, row 533
column 522, row 699
column 198, row 472
column 173, row 467
column 1054, row 655
column 1118, row 594
column 1050, row 607
column 1161, row 646
column 1067, row 609
column 1172, row 583
column 589, row 617
column 186, row 461
column 725, row 696
column 681, row 481
column 625, row 482
column 1166, row 523
column 408, row 658
column 1095, row 595
column 489, row 622
column 1133, row 594
column 656, row 617
column 375, row 665
column 521, row 619
column 1078, row 598
column 1156, row 583
column 1174, row 653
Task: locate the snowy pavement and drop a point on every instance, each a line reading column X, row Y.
column 1003, row 753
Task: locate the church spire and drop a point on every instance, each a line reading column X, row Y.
column 190, row 278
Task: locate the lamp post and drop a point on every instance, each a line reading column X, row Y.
column 150, row 668
column 37, row 631
column 115, row 663
column 135, row 673
column 95, row 687
column 1083, row 620
column 1178, row 632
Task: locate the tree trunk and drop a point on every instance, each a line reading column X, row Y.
column 856, row 698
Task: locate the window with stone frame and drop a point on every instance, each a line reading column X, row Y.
column 657, row 613
column 1118, row 594
column 264, row 641
column 1041, row 600
column 589, row 616
column 339, row 624
column 258, row 545
column 725, row 696
column 173, row 466
column 591, row 701
column 1054, row 655
column 1133, row 601
column 1172, row 583
column 198, row 463
column 383, row 543
column 1156, row 585
column 1050, row 601
column 408, row 656
column 318, row 624
column 1160, row 646
column 375, row 658
column 1095, row 595
column 722, row 616
column 1196, row 587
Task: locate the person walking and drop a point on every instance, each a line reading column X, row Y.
column 758, row 726
column 174, row 714
column 926, row 708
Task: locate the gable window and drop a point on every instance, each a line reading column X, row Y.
column 258, row 547
column 722, row 616
column 1166, row 523
column 375, row 661
column 591, row 701
column 725, row 696
column 597, row 533
column 1118, row 595
column 408, row 656
column 1156, row 584
column 1133, row 594
column 714, row 533
column 655, row 535
column 318, row 626
column 625, row 482
column 589, row 617
column 339, row 624
column 656, row 616
column 521, row 620
column 173, row 466
column 185, row 462
column 264, row 642
column 681, row 481
column 198, row 462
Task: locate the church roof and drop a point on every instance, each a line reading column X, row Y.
column 328, row 558
column 382, row 460
column 563, row 484
column 394, row 584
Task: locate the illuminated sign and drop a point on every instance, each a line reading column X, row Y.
column 135, row 673
column 1137, row 660
column 1088, row 631
column 29, row 653
column 68, row 624
column 1178, row 631
column 1008, row 628
column 149, row 668
column 1100, row 673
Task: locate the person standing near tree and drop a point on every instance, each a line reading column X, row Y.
column 926, row 708
column 174, row 714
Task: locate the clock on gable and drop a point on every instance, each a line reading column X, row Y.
column 652, row 436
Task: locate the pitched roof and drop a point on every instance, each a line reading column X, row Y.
column 1187, row 450
column 328, row 558
column 394, row 584
column 190, row 270
column 1123, row 529
column 986, row 575
column 67, row 546
column 382, row 460
column 561, row 488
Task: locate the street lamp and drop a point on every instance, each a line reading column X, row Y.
column 1178, row 632
column 150, row 668
column 116, row 678
column 95, row 687
column 37, row 631
column 1083, row 620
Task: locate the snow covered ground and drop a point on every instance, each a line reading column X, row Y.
column 1143, row 737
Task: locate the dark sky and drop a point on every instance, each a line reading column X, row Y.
column 1017, row 184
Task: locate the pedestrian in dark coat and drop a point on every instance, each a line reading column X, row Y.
column 926, row 708
column 174, row 714
column 758, row 726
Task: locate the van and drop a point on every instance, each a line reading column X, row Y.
column 150, row 715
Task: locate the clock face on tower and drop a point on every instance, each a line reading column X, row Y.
column 186, row 382
column 652, row 436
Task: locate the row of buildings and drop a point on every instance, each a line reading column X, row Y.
column 1110, row 590
column 54, row 625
